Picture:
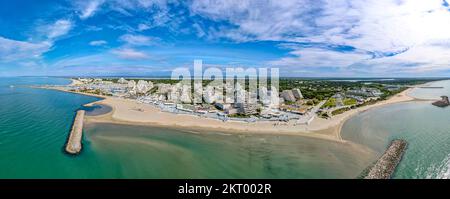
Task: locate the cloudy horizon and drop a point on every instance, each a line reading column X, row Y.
column 305, row 38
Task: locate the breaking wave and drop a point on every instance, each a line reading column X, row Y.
column 440, row 171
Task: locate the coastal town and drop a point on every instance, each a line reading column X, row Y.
column 290, row 104
column 173, row 93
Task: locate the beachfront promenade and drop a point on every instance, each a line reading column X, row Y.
column 73, row 145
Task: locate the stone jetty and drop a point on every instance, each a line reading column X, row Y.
column 385, row 166
column 444, row 102
column 73, row 145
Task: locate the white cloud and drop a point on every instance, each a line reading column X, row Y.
column 128, row 53
column 198, row 30
column 420, row 59
column 258, row 20
column 89, row 8
column 382, row 27
column 12, row 50
column 316, row 57
column 27, row 53
column 98, row 43
column 89, row 60
column 138, row 40
column 142, row 27
column 59, row 28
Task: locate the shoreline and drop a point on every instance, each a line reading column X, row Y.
column 401, row 97
column 337, row 122
column 129, row 112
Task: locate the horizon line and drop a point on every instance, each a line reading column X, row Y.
column 286, row 77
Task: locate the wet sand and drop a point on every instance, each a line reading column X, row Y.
column 130, row 112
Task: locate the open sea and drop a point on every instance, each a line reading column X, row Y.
column 35, row 123
column 425, row 127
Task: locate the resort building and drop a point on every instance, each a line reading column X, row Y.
column 297, row 93
column 164, row 88
column 143, row 87
column 393, row 87
column 222, row 106
column 209, row 95
column 365, row 92
column 288, row 95
column 264, row 96
column 240, row 93
column 173, row 95
column 186, row 94
column 131, row 84
column 231, row 111
column 246, row 108
column 122, row 81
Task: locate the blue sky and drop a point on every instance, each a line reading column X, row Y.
column 302, row 37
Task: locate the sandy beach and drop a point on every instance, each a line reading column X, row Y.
column 126, row 111
column 333, row 125
column 131, row 112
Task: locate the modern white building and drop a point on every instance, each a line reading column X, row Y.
column 209, row 95
column 222, row 106
column 288, row 95
column 131, row 87
column 131, row 84
column 122, row 81
column 297, row 93
column 142, row 87
column 186, row 94
column 164, row 88
column 240, row 94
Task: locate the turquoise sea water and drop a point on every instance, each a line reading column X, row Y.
column 143, row 152
column 34, row 124
column 432, row 93
column 424, row 126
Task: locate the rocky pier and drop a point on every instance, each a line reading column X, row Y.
column 444, row 102
column 73, row 145
column 385, row 166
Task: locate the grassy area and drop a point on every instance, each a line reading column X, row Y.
column 349, row 101
column 330, row 103
column 368, row 103
column 323, row 115
column 340, row 111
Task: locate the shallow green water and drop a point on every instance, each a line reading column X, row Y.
column 424, row 126
column 34, row 125
column 143, row 152
column 432, row 93
column 33, row 129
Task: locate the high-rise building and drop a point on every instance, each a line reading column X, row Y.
column 288, row 95
column 297, row 93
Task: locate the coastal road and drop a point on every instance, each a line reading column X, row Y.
column 311, row 114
